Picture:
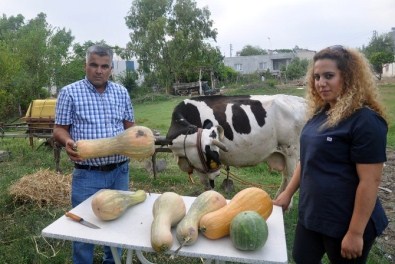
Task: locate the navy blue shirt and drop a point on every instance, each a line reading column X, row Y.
column 329, row 177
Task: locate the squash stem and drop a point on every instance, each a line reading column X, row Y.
column 186, row 240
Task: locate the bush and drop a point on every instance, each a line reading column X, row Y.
column 8, row 106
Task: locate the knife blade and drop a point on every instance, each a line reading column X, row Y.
column 81, row 220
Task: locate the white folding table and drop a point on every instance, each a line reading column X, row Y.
column 132, row 232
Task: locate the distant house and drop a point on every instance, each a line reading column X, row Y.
column 389, row 68
column 273, row 61
column 120, row 66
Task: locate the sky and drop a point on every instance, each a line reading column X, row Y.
column 267, row 24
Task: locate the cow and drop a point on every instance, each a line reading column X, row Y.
column 210, row 131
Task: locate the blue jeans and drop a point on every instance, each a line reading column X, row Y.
column 85, row 183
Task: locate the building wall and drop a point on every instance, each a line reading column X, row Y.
column 261, row 63
column 388, row 69
column 120, row 66
column 304, row 54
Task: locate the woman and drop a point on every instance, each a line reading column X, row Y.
column 343, row 149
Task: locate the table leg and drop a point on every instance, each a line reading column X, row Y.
column 129, row 256
column 115, row 255
column 141, row 257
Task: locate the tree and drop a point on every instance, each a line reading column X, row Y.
column 380, row 51
column 37, row 51
column 24, row 42
column 169, row 39
column 129, row 80
column 9, row 67
column 58, row 44
column 250, row 50
column 227, row 74
column 296, row 69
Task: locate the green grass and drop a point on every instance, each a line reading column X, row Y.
column 156, row 115
column 21, row 223
column 388, row 96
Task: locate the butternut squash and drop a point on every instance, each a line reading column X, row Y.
column 168, row 209
column 187, row 229
column 216, row 224
column 111, row 204
column 137, row 142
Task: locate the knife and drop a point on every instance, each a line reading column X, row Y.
column 81, row 220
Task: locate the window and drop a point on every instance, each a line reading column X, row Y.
column 239, row 67
column 263, row 65
column 130, row 65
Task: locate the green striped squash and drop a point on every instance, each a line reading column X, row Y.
column 248, row 231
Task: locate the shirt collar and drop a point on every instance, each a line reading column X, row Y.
column 93, row 88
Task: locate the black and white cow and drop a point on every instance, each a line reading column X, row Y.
column 237, row 131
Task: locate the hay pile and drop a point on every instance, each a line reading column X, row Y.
column 44, row 187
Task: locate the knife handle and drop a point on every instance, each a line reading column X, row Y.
column 73, row 216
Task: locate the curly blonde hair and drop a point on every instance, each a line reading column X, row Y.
column 359, row 86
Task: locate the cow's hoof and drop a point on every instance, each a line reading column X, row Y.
column 228, row 185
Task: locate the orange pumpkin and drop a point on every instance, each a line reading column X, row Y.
column 216, row 224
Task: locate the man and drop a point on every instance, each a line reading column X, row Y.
column 92, row 108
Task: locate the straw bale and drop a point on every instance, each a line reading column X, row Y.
column 45, row 187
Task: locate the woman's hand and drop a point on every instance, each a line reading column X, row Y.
column 283, row 200
column 352, row 245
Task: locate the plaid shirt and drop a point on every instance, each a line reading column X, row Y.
column 93, row 115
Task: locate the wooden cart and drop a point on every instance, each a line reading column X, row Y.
column 40, row 120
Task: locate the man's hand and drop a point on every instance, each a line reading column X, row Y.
column 71, row 150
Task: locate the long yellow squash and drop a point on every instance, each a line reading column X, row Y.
column 137, row 142
column 168, row 209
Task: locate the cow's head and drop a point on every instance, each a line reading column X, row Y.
column 199, row 151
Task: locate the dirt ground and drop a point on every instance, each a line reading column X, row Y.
column 387, row 196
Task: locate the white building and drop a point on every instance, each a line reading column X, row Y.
column 388, row 69
column 120, row 66
column 273, row 61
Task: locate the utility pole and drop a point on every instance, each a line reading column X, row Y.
column 230, row 50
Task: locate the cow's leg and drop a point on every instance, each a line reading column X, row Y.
column 291, row 159
column 205, row 180
column 277, row 162
column 212, row 184
column 284, row 162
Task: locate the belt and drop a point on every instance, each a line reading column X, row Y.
column 108, row 167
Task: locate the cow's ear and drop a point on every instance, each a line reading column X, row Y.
column 220, row 132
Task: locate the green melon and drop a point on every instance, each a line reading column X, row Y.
column 248, row 231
